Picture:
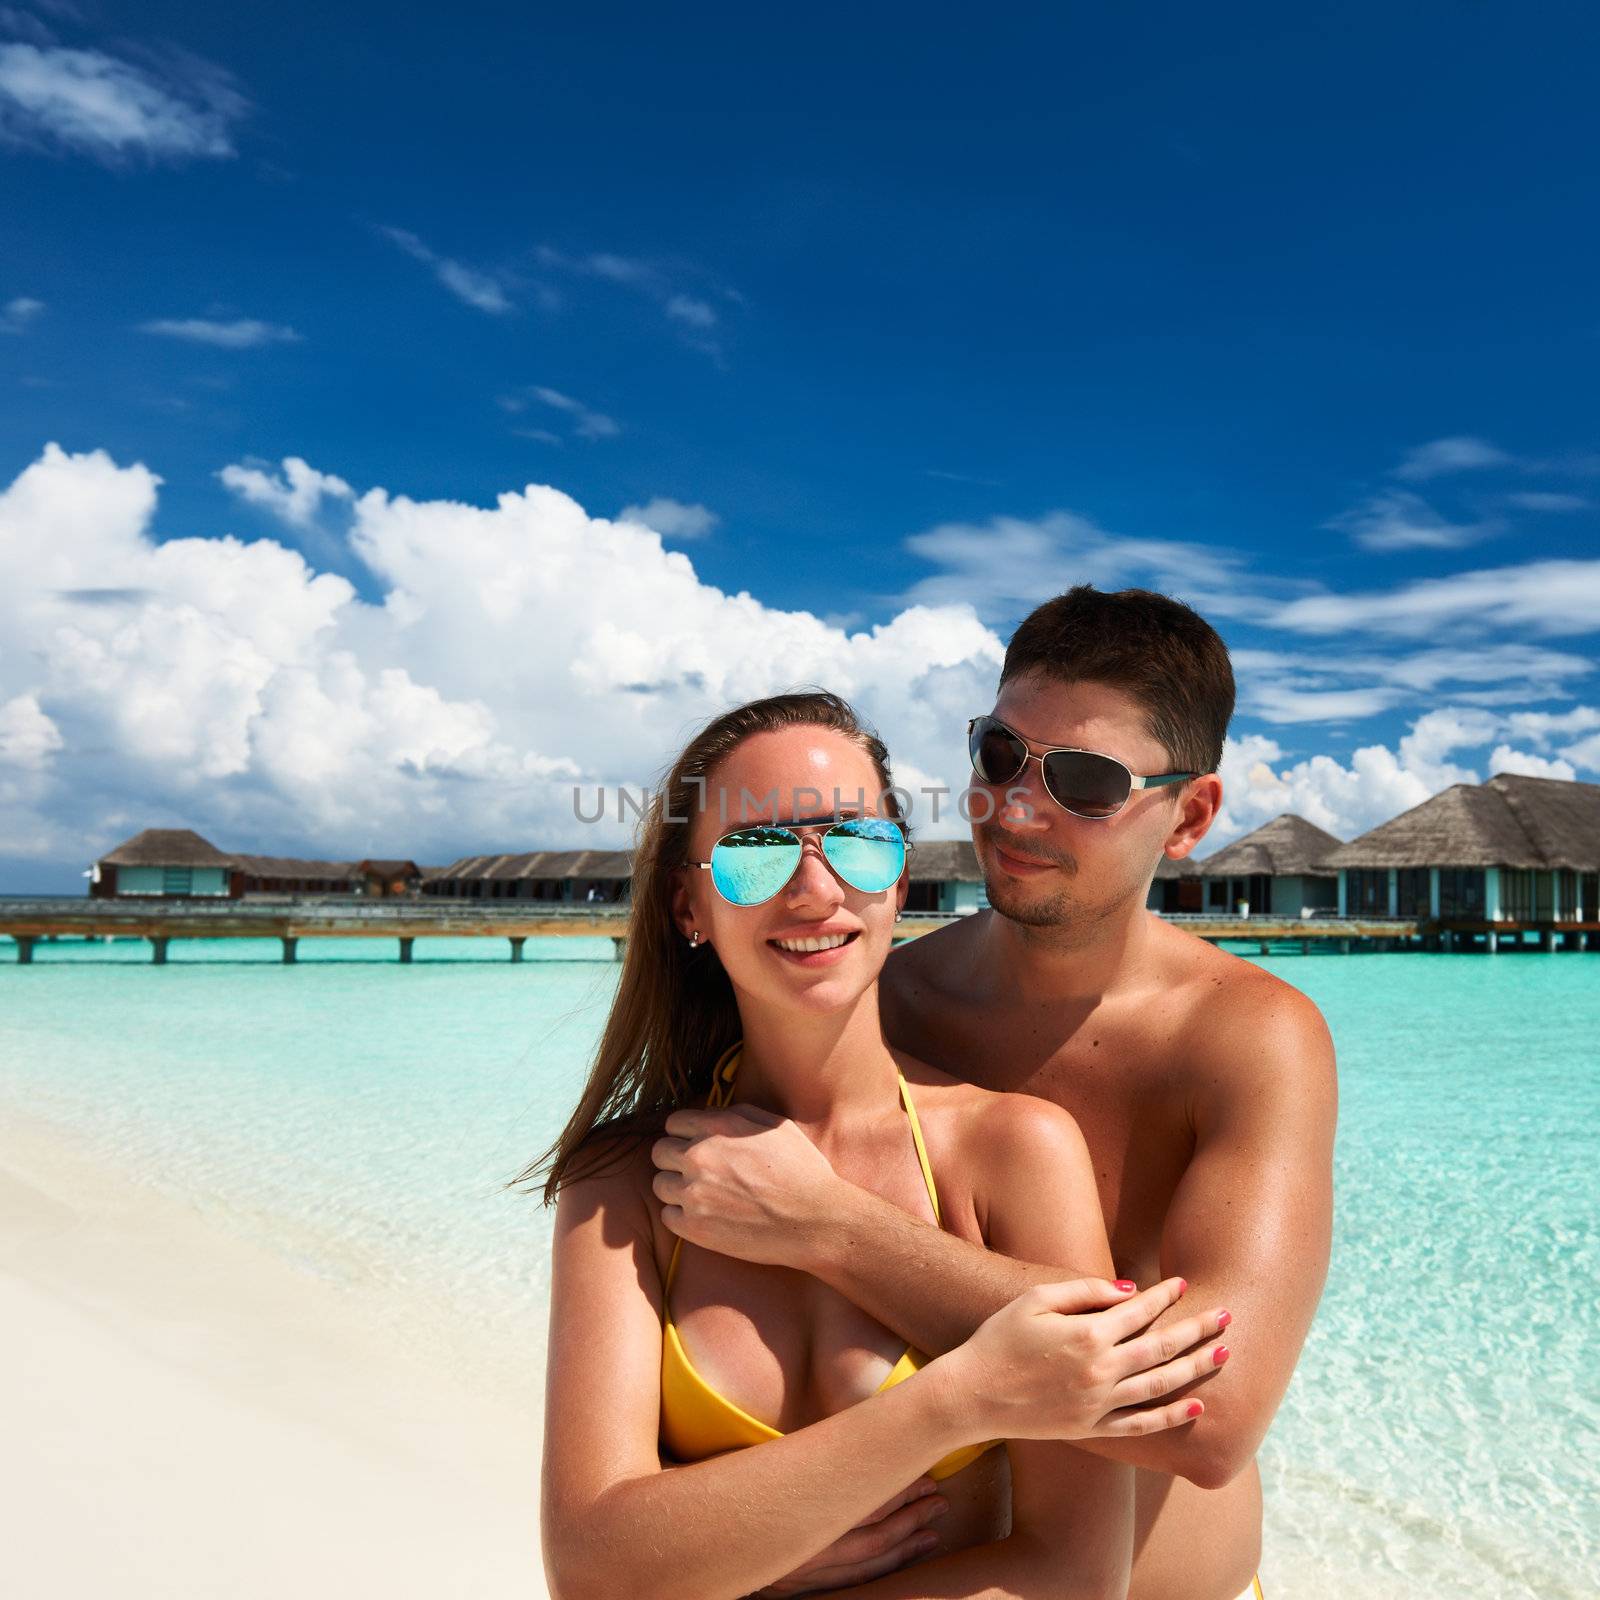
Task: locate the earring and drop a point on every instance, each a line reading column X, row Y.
column 694, row 938
column 897, row 916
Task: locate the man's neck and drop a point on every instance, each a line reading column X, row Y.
column 1080, row 962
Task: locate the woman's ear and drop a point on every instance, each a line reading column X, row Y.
column 683, row 915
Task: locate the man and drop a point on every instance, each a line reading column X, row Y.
column 1203, row 1086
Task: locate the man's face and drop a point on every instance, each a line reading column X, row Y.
column 1043, row 866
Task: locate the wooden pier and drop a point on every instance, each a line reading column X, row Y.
column 27, row 922
column 289, row 921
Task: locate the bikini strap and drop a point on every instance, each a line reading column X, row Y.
column 722, row 1076
column 922, row 1149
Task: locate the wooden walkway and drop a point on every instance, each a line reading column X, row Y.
column 290, row 920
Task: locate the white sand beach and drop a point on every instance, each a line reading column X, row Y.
column 188, row 1415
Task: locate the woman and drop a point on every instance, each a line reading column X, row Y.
column 790, row 1418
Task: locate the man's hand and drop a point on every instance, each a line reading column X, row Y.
column 1052, row 1365
column 893, row 1535
column 746, row 1183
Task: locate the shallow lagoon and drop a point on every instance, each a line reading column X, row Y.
column 1442, row 1435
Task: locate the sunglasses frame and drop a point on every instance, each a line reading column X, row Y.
column 1155, row 780
column 791, row 828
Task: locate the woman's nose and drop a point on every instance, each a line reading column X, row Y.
column 813, row 879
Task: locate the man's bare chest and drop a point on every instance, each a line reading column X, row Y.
column 1118, row 1079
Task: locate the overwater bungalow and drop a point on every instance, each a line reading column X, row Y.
column 585, row 876
column 1274, row 871
column 1512, row 854
column 1176, row 887
column 177, row 863
column 945, row 877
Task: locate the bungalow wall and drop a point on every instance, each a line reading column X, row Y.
column 1300, row 896
column 172, row 880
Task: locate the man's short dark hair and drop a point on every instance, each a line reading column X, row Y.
column 1157, row 650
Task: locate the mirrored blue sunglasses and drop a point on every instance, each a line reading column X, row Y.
column 750, row 865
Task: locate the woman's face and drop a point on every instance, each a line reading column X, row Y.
column 789, row 776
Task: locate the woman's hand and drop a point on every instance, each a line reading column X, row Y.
column 895, row 1534
column 1054, row 1365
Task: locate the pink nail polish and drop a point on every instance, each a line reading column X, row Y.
column 1224, row 1318
column 1126, row 1285
column 1195, row 1408
column 1220, row 1356
column 1183, row 1286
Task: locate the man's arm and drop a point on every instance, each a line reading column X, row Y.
column 750, row 1184
column 1251, row 1221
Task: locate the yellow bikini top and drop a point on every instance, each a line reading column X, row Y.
column 697, row 1421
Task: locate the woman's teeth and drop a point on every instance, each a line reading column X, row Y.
column 805, row 946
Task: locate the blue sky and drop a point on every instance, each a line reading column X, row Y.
column 1290, row 314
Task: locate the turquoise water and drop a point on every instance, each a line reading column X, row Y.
column 1441, row 1436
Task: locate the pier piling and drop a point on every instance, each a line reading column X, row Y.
column 24, row 949
column 517, row 943
column 158, row 949
column 406, row 942
column 290, row 945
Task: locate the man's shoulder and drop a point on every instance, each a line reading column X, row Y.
column 1238, row 1018
column 931, row 961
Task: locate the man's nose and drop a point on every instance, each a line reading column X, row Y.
column 1022, row 804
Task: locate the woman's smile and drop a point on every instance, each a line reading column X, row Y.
column 821, row 948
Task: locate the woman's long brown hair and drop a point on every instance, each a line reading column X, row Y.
column 674, row 1011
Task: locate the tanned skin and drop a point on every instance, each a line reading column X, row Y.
column 1203, row 1087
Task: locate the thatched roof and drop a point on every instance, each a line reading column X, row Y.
column 1510, row 821
column 1561, row 818
column 166, row 847
column 291, row 867
column 1286, row 847
column 945, row 861
column 1168, row 868
column 389, row 869
column 538, row 865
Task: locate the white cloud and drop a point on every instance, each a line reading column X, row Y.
column 1285, row 701
column 516, row 648
column 1546, row 597
column 1008, row 564
column 1459, row 453
column 109, row 108
column 1542, row 727
column 1378, row 783
column 587, row 423
column 1548, row 500
column 671, row 518
column 243, row 333
column 1299, row 686
column 296, row 496
column 1505, row 759
column 696, row 313
column 28, row 738
column 1401, row 520
column 656, row 283
column 479, row 289
column 20, row 314
column 1585, row 753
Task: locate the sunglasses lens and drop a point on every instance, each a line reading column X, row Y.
column 753, row 864
column 997, row 753
column 867, row 852
column 1090, row 785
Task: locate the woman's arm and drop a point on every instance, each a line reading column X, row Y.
column 614, row 1521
